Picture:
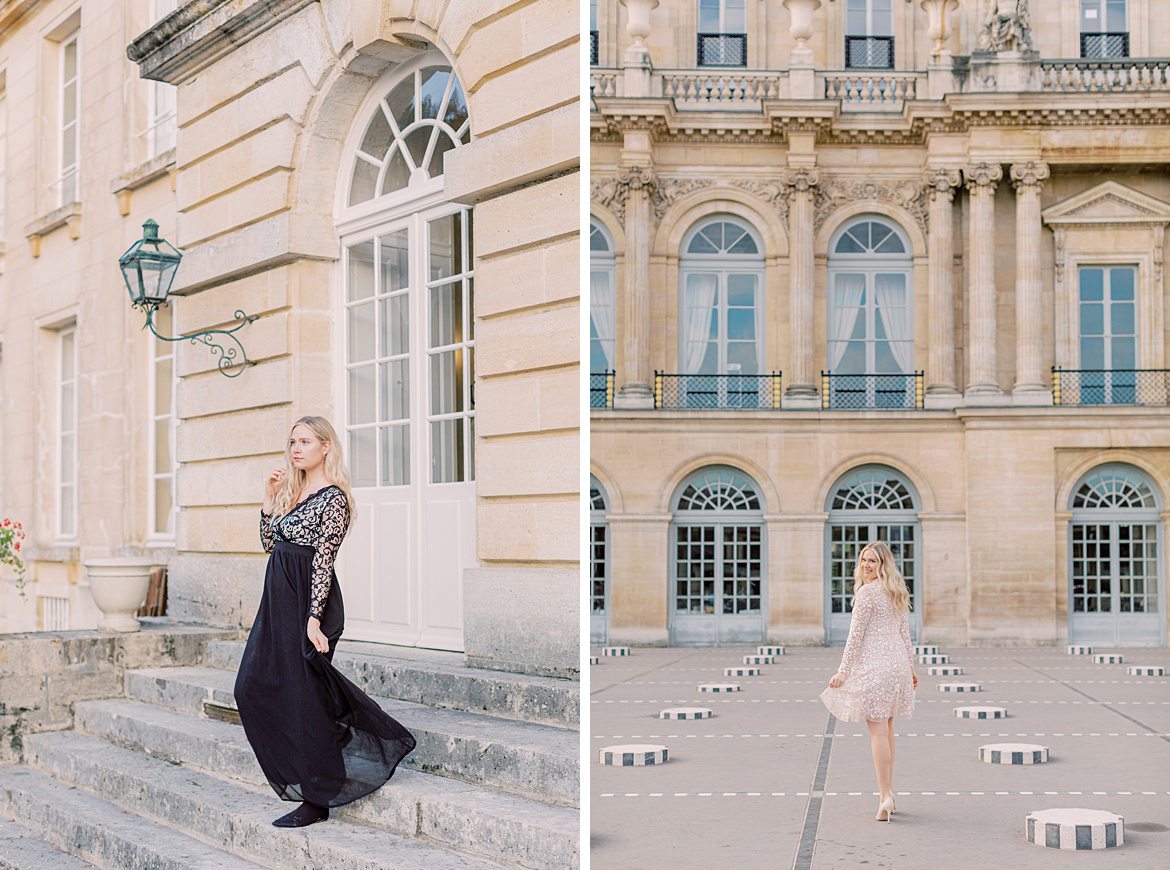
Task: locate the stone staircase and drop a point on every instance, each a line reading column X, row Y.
column 149, row 780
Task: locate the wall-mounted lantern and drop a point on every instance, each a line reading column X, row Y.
column 148, row 268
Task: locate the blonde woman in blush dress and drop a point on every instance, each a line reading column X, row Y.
column 876, row 680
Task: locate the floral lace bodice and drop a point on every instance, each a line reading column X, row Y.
column 320, row 522
column 875, row 623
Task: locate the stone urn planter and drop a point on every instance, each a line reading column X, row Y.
column 119, row 586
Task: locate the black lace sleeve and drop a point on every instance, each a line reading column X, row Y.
column 267, row 541
column 334, row 525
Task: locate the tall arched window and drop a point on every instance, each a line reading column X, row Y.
column 718, row 567
column 598, row 562
column 407, row 344
column 602, row 311
column 721, row 329
column 869, row 503
column 1115, row 559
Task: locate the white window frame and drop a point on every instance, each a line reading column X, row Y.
column 870, row 13
column 722, row 265
column 64, row 504
column 1101, row 7
column 161, row 128
column 162, row 351
column 723, row 16
column 603, row 321
column 74, row 170
column 1107, row 334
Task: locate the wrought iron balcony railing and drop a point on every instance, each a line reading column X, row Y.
column 717, row 392
column 1104, row 45
column 871, row 391
column 869, row 52
column 601, row 389
column 722, row 49
column 593, row 48
column 1110, row 387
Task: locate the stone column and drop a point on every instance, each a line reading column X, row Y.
column 982, row 179
column 940, row 367
column 1031, row 386
column 635, row 186
column 801, row 391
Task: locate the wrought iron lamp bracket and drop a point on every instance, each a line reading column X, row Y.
column 229, row 365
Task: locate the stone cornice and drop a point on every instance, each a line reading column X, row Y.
column 197, row 34
column 11, row 13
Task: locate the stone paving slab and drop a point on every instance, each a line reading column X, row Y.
column 738, row 786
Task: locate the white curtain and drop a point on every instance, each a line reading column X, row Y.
column 894, row 310
column 601, row 311
column 698, row 303
column 847, row 293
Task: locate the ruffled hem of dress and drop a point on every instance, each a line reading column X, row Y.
column 850, row 707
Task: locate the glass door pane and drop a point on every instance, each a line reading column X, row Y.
column 695, row 566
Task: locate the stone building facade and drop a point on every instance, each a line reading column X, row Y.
column 385, row 186
column 863, row 269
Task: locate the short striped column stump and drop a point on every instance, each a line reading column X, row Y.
column 945, row 671
column 1013, row 753
column 685, row 713
column 770, row 650
column 1146, row 671
column 958, row 687
column 633, row 755
column 615, row 651
column 1075, row 828
column 719, row 687
column 934, row 659
column 741, row 671
column 1109, row 658
column 926, row 649
column 981, row 712
column 758, row 660
column 594, row 660
column 1079, row 649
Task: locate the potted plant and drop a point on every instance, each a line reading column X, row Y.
column 11, row 542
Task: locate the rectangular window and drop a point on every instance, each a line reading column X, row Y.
column 160, row 132
column 722, row 33
column 67, row 433
column 69, row 118
column 602, row 333
column 1104, row 28
column 162, row 430
column 1108, row 334
column 869, row 34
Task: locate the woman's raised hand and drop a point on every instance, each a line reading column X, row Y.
column 274, row 482
column 836, row 681
column 915, row 680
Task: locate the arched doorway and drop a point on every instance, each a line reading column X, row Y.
column 718, row 560
column 599, row 573
column 405, row 331
column 869, row 503
column 1115, row 559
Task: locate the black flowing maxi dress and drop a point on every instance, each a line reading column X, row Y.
column 317, row 736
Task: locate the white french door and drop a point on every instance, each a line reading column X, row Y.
column 407, row 404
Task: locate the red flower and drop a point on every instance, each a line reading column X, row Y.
column 17, row 546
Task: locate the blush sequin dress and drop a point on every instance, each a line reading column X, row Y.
column 878, row 662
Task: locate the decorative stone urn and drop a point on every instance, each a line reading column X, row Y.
column 119, row 586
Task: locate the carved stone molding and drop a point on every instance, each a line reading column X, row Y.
column 1029, row 175
column 983, row 175
column 668, row 190
column 942, row 183
column 612, row 192
column 770, row 190
column 801, row 180
column 905, row 193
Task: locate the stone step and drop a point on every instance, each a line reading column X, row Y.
column 22, row 849
column 227, row 814
column 440, row 679
column 97, row 831
column 523, row 758
column 450, row 812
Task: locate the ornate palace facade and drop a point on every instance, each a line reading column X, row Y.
column 866, row 269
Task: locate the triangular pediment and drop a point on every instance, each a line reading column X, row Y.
column 1108, row 203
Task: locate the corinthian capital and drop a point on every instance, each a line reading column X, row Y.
column 1029, row 175
column 800, row 180
column 986, row 175
column 942, row 183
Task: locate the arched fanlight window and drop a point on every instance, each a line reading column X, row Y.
column 872, row 489
column 602, row 310
column 406, row 141
column 722, row 310
column 718, row 489
column 1112, row 487
column 871, row 310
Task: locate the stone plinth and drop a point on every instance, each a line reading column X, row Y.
column 934, row 659
column 1109, row 658
column 958, row 687
column 758, row 660
column 720, row 687
column 741, row 671
column 633, row 755
column 685, row 713
column 615, row 651
column 980, row 713
column 1074, row 828
column 1079, row 649
column 1146, row 671
column 945, row 671
column 770, row 650
column 1013, row 753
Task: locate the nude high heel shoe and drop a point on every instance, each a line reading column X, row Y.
column 883, row 813
column 893, row 806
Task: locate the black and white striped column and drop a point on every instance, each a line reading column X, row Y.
column 770, row 650
column 1109, row 658
column 934, row 659
column 615, row 651
column 633, row 755
column 981, row 712
column 926, row 649
column 959, row 687
column 1075, row 828
column 1079, row 649
column 1146, row 670
column 1013, row 753
column 945, row 671
column 741, row 671
column 719, row 687
column 758, row 660
column 685, row 713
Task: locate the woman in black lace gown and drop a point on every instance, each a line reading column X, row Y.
column 319, row 739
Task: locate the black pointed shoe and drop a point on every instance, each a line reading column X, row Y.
column 305, row 814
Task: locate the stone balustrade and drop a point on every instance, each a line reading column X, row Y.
column 873, row 89
column 1078, row 75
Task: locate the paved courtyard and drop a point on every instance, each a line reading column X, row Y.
column 774, row 781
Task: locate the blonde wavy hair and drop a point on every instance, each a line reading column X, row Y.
column 889, row 576
column 336, row 471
